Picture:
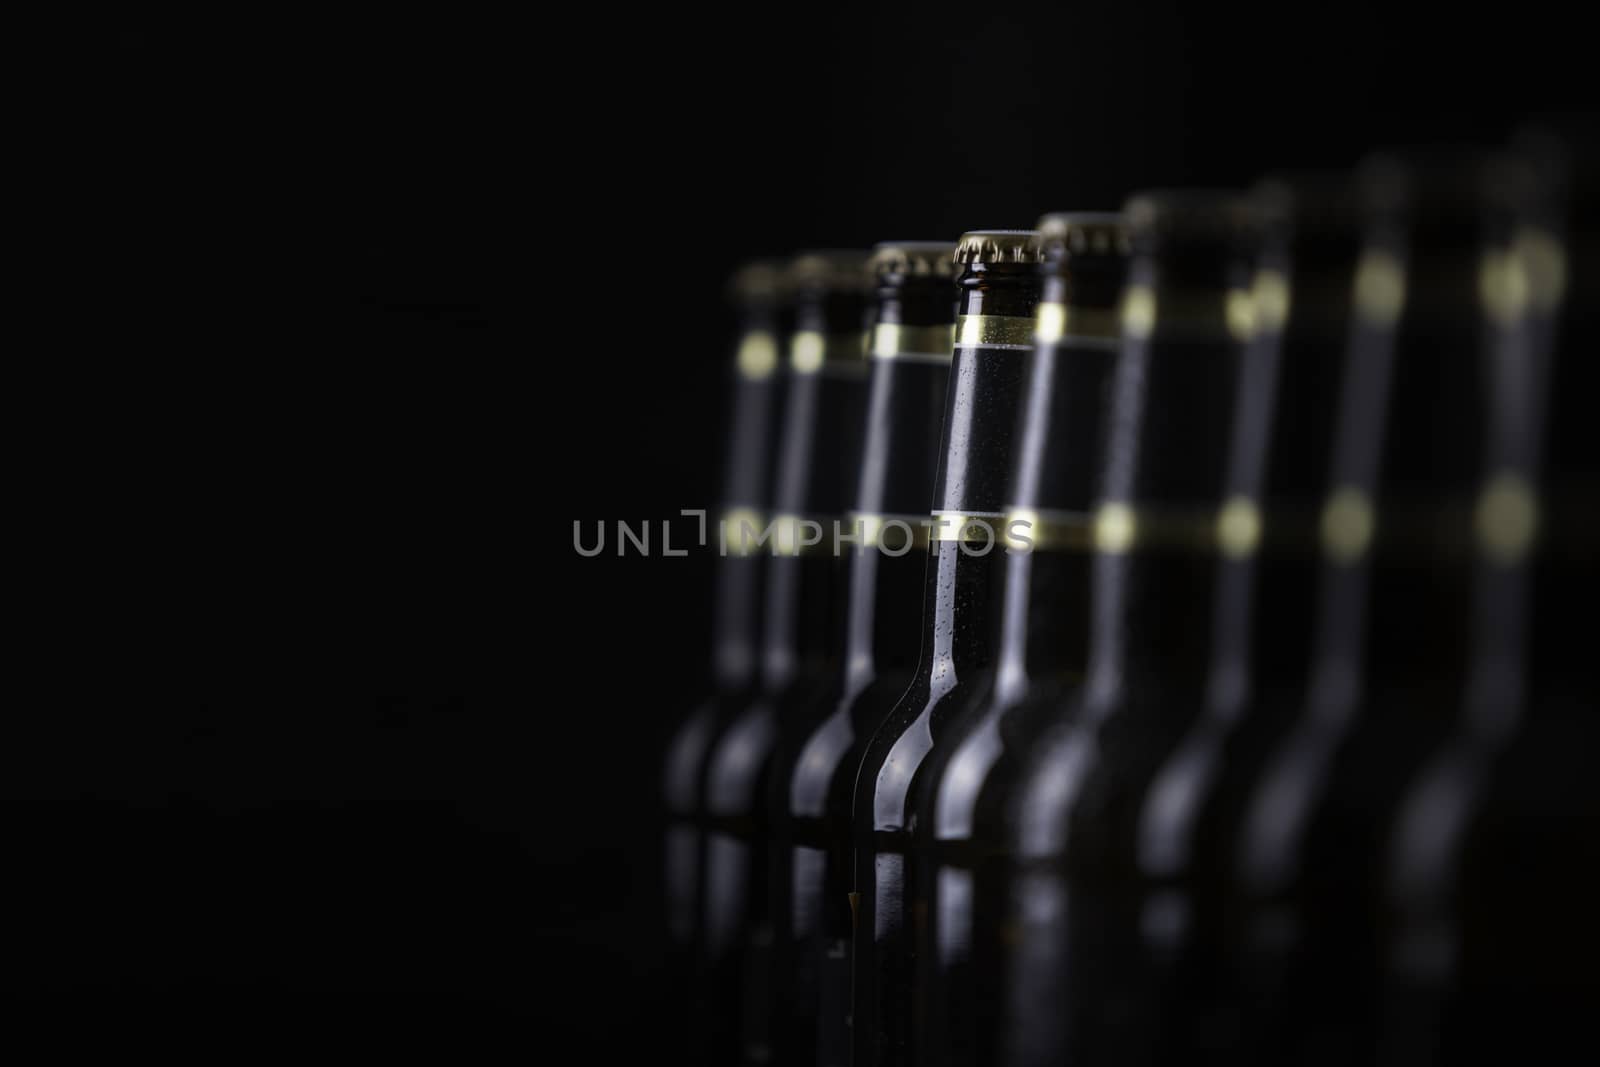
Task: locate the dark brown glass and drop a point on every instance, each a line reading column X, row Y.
column 816, row 767
column 955, row 664
column 1494, row 863
column 1263, row 618
column 817, row 459
column 1074, row 983
column 756, row 398
column 1042, row 649
column 1392, row 650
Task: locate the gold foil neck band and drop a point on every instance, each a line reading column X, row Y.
column 796, row 535
column 1055, row 322
column 1527, row 277
column 985, row 527
column 747, row 532
column 741, row 529
column 1147, row 312
column 891, row 532
column 894, row 339
column 1048, row 530
column 758, row 356
column 1544, row 259
column 810, row 351
column 1380, row 290
column 1348, row 521
column 993, row 331
column 1271, row 295
column 1121, row 527
column 1503, row 525
column 1506, row 519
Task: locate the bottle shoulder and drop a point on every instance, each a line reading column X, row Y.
column 740, row 751
column 891, row 768
column 823, row 775
column 686, row 755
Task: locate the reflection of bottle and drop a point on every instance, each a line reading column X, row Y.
column 751, row 443
column 1043, row 637
column 817, row 456
column 815, row 772
column 1495, row 858
column 998, row 289
column 1186, row 313
column 1391, row 651
column 1262, row 628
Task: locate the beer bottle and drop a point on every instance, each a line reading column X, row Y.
column 752, row 437
column 1185, row 316
column 817, row 457
column 1262, row 614
column 998, row 289
column 1494, row 861
column 910, row 361
column 1043, row 635
column 1393, row 607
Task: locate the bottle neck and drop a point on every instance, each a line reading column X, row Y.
column 1408, row 462
column 961, row 598
column 910, row 361
column 818, row 460
column 1044, row 633
column 801, row 611
column 910, row 381
column 735, row 622
column 756, row 405
column 1171, row 417
column 994, row 334
column 1555, row 584
column 1044, row 628
column 750, row 450
column 1278, row 466
column 824, row 414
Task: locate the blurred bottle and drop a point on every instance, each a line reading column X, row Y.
column 818, row 455
column 756, row 397
column 1391, row 652
column 815, row 771
column 999, row 288
column 1043, row 638
column 1261, row 618
column 1494, row 863
column 1186, row 315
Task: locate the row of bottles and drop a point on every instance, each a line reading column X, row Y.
column 1202, row 670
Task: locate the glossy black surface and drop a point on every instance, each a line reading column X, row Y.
column 955, row 665
column 1493, row 863
column 1043, row 647
column 749, row 455
column 817, row 458
column 1392, row 651
column 1262, row 624
column 1074, row 991
column 815, row 767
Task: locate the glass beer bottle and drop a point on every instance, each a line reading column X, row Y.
column 817, row 456
column 1393, row 607
column 815, row 777
column 1186, row 316
column 1494, row 859
column 1043, row 636
column 998, row 290
column 1263, row 613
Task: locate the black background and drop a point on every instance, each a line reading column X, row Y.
column 390, row 769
